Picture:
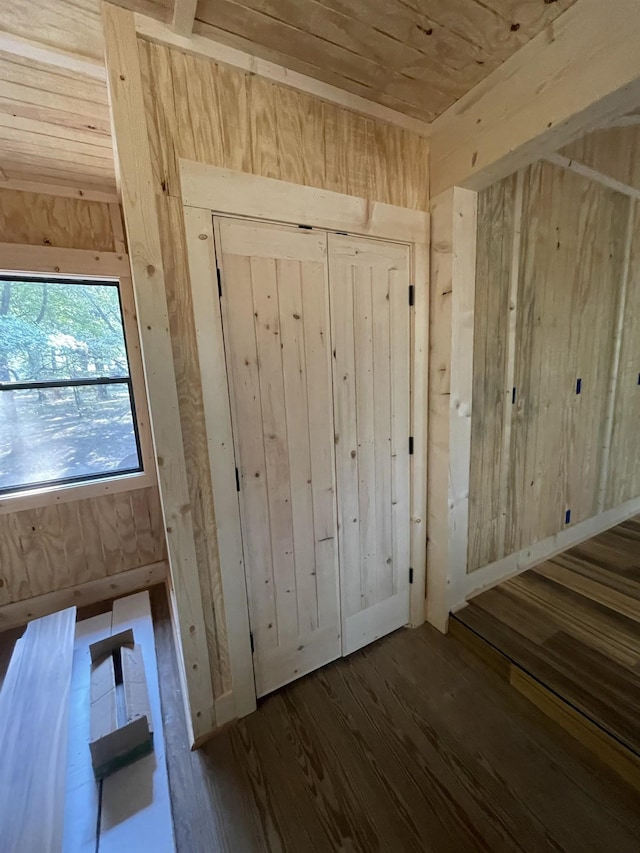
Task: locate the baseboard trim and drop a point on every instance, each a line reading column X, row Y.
column 488, row 576
column 20, row 612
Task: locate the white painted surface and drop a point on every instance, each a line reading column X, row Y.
column 136, row 806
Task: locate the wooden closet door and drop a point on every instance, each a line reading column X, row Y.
column 275, row 306
column 370, row 313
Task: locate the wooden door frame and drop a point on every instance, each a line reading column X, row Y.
column 207, row 191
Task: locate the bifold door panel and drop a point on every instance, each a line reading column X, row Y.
column 370, row 338
column 316, row 330
column 276, row 325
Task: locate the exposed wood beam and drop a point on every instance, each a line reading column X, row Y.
column 198, row 45
column 592, row 175
column 629, row 120
column 133, row 162
column 37, row 52
column 581, row 71
column 184, row 14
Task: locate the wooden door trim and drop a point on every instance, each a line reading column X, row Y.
column 207, row 191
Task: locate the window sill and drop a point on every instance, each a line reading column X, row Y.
column 52, row 495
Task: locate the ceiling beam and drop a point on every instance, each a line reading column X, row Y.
column 580, row 72
column 38, row 52
column 184, row 15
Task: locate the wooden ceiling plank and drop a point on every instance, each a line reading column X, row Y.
column 72, row 25
column 34, row 154
column 296, row 45
column 404, row 42
column 15, row 69
column 33, row 51
column 50, row 100
column 237, row 56
column 107, row 195
column 20, row 125
column 59, row 153
column 40, row 173
column 545, row 96
column 184, row 14
column 98, row 123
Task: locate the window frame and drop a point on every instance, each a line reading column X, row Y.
column 86, row 267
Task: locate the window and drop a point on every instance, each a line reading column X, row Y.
column 67, row 411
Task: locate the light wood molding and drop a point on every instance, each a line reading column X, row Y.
column 20, row 612
column 514, row 564
column 453, row 258
column 592, row 174
column 235, row 193
column 184, row 13
column 572, row 77
column 239, row 194
column 17, row 257
column 35, row 498
column 199, row 45
column 139, row 204
column 198, row 226
column 60, row 190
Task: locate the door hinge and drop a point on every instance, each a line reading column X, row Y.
column 410, row 445
column 237, row 480
column 411, row 295
column 410, row 575
column 219, row 282
column 253, row 648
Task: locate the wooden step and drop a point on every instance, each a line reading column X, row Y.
column 609, row 748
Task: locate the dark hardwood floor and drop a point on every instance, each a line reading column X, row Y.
column 412, row 744
column 573, row 624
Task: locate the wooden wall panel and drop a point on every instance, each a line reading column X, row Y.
column 496, row 209
column 623, row 482
column 570, row 269
column 47, row 220
column 59, row 546
column 201, row 111
column 614, row 152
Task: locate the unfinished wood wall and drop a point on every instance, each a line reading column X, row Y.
column 201, row 111
column 59, row 546
column 552, row 268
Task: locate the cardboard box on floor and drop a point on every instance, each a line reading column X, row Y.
column 121, row 727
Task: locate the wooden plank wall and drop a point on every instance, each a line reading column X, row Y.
column 59, row 546
column 551, row 273
column 202, row 111
column 614, row 152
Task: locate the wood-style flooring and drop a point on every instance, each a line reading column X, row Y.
column 411, row 744
column 573, row 625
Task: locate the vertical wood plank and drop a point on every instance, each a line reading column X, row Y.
column 136, row 178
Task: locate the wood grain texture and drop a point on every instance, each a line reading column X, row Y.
column 540, row 453
column 572, row 625
column 48, row 220
column 53, row 548
column 416, row 58
column 410, row 744
column 198, row 110
column 49, row 549
column 613, row 152
column 34, row 711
